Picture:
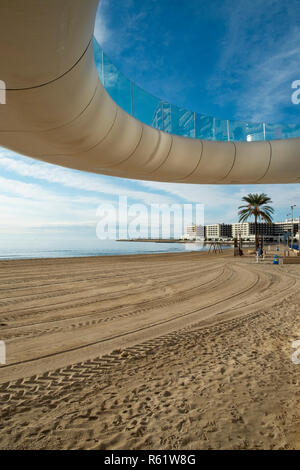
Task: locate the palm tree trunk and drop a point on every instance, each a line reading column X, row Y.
column 255, row 231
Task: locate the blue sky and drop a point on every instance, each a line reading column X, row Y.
column 230, row 59
column 226, row 58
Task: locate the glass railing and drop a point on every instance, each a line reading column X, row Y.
column 169, row 118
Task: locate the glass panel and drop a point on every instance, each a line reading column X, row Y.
column 237, row 131
column 205, row 127
column 98, row 59
column 290, row 130
column 286, row 131
column 183, row 122
column 273, row 131
column 117, row 85
column 146, row 107
column 167, row 117
column 221, row 130
column 157, row 120
column 170, row 118
column 254, row 132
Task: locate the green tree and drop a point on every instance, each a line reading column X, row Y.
column 257, row 206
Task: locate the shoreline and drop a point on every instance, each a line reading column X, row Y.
column 157, row 240
column 87, row 257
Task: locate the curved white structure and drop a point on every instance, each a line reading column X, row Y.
column 58, row 111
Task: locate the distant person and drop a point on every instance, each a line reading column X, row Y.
column 258, row 253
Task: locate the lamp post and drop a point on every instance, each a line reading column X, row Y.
column 287, row 220
column 292, row 209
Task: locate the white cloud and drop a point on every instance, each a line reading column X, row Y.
column 101, row 32
column 75, row 179
column 222, row 202
column 38, row 194
column 259, row 59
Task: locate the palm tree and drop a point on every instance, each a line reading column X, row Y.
column 256, row 206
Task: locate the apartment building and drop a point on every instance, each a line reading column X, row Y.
column 246, row 230
column 289, row 226
column 218, row 231
column 194, row 232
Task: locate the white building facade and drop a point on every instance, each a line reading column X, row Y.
column 194, row 232
column 218, row 231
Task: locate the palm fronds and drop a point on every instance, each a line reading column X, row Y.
column 257, row 206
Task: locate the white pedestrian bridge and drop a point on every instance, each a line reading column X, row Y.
column 57, row 110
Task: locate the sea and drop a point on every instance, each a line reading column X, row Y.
column 105, row 248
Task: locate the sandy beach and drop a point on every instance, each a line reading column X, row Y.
column 167, row 351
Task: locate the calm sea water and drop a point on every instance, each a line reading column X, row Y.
column 108, row 248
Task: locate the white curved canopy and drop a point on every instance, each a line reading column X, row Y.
column 58, row 111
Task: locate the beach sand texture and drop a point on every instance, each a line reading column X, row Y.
column 166, row 351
